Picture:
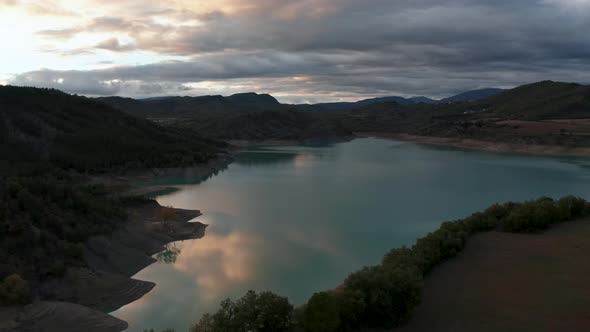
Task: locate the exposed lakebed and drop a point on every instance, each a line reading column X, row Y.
column 296, row 220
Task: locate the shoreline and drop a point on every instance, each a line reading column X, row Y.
column 129, row 184
column 85, row 296
column 487, row 146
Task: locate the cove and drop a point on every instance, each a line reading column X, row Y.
column 296, row 220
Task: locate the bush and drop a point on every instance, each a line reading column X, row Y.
column 389, row 295
column 322, row 313
column 352, row 305
column 264, row 312
column 572, row 207
column 538, row 215
column 14, row 290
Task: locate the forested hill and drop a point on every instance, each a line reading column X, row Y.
column 542, row 101
column 46, row 126
column 543, row 113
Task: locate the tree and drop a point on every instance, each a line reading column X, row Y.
column 322, row 313
column 264, row 312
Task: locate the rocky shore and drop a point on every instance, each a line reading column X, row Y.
column 83, row 297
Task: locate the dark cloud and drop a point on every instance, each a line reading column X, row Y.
column 344, row 48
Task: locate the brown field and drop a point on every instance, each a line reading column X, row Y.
column 549, row 127
column 511, row 282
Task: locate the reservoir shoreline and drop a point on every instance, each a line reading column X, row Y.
column 481, row 145
column 84, row 297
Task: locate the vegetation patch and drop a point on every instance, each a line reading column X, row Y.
column 44, row 221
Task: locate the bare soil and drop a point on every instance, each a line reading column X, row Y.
column 548, row 127
column 511, row 282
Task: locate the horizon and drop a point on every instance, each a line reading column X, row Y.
column 258, row 93
column 300, row 52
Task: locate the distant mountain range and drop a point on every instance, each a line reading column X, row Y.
column 253, row 102
column 468, row 96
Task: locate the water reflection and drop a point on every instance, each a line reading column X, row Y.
column 219, row 262
column 264, row 156
column 208, row 270
column 188, row 177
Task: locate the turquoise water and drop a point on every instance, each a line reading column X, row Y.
column 296, row 220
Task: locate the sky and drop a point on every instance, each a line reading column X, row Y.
column 297, row 50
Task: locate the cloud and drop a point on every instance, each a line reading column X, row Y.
column 39, row 8
column 113, row 44
column 344, row 48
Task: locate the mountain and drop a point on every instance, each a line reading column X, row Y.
column 473, row 95
column 345, row 106
column 467, row 96
column 40, row 126
column 183, row 106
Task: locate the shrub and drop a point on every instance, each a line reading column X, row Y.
column 389, row 295
column 14, row 290
column 572, row 207
column 533, row 216
column 264, row 312
column 322, row 313
column 351, row 304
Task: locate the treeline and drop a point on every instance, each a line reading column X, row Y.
column 44, row 221
column 384, row 296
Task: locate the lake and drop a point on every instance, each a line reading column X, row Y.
column 296, row 220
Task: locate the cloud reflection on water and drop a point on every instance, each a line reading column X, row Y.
column 219, row 262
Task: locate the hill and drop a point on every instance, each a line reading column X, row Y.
column 473, row 95
column 542, row 101
column 547, row 108
column 286, row 125
column 245, row 116
column 51, row 212
column 170, row 108
column 182, row 107
column 543, row 113
column 344, row 106
column 40, row 126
